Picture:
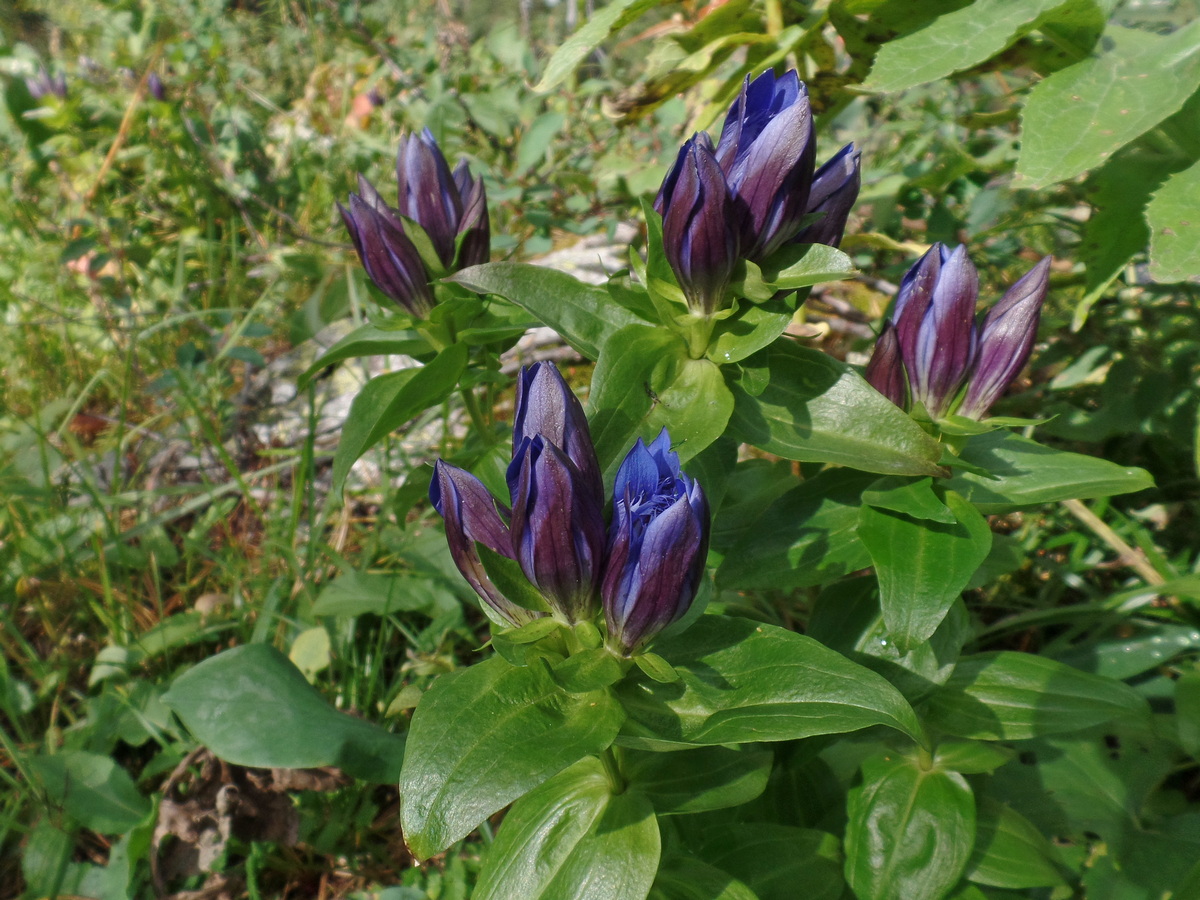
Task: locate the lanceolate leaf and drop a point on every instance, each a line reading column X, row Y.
column 369, row 340
column 391, row 400
column 482, row 737
column 1009, row 851
column 583, row 314
column 1175, row 227
column 816, row 409
column 573, row 837
column 922, row 566
column 745, row 681
column 910, row 830
column 1013, row 696
column 774, row 860
column 1026, row 473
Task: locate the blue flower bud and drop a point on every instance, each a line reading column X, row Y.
column 885, row 371
column 1006, row 341
column 700, row 232
column 474, row 225
column 834, row 189
column 43, row 84
column 154, row 84
column 657, row 545
column 767, row 151
column 472, row 515
column 390, row 258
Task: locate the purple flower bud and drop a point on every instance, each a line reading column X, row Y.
column 1006, row 341
column 472, row 515
column 934, row 317
column 557, row 527
column 154, row 84
column 885, row 371
column 390, row 258
column 43, row 84
column 767, row 152
column 444, row 203
column 657, row 545
column 931, row 347
column 700, row 232
column 834, row 190
column 546, row 406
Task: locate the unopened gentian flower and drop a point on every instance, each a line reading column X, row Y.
column 450, row 207
column 700, row 229
column 930, row 347
column 751, row 194
column 43, row 84
column 657, row 544
column 154, row 84
column 555, row 528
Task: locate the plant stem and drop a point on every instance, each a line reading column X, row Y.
column 1127, row 555
column 613, row 770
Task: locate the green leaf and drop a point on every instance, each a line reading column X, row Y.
column 1009, row 851
column 1026, row 473
column 694, row 407
column 225, row 700
column 583, row 314
column 796, row 266
column 537, row 139
column 816, row 409
column 682, row 877
column 922, row 566
column 808, row 536
column 743, row 681
column 910, row 830
column 358, row 593
column 389, row 401
column 368, row 340
column 1187, row 711
column 1078, row 117
column 1175, row 227
column 957, row 41
column 697, row 780
column 588, row 670
column 484, row 736
column 774, row 860
column 610, row 18
column 912, row 498
column 573, row 838
column 95, row 791
column 971, row 757
column 1012, row 696
column 748, row 330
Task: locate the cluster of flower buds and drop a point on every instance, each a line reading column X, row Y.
column 648, row 568
column 754, row 192
column 449, row 207
column 43, row 84
column 931, row 352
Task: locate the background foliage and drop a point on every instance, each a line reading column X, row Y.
column 164, row 263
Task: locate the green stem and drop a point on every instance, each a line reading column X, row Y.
column 613, row 770
column 478, row 422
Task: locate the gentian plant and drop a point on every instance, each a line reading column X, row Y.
column 648, row 717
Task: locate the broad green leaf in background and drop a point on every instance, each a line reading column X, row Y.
column 1187, row 708
column 609, row 18
column 1011, row 696
column 1026, row 473
column 482, row 737
column 682, row 877
column 910, row 830
column 573, row 837
column 922, row 566
column 251, row 706
column 808, row 536
column 1175, row 226
column 583, row 314
column 816, row 409
column 1009, row 851
column 698, row 780
column 389, row 401
column 959, row 40
column 776, row 861
column 537, row 139
column 1078, row 117
column 95, row 791
column 358, row 593
column 744, row 681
